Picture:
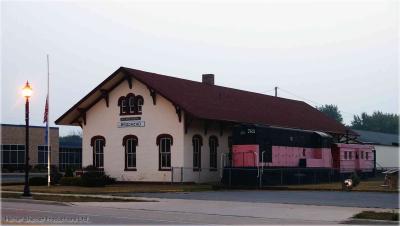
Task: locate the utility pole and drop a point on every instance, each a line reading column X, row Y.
column 276, row 91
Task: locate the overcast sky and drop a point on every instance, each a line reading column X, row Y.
column 328, row 52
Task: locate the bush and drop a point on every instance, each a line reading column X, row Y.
column 109, row 180
column 37, row 181
column 55, row 175
column 39, row 168
column 70, row 181
column 69, row 172
column 9, row 168
column 94, row 177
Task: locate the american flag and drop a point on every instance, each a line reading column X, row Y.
column 46, row 111
column 46, row 119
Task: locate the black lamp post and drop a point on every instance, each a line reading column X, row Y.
column 27, row 93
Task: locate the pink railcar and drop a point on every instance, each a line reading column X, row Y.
column 353, row 157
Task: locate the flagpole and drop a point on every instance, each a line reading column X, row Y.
column 47, row 125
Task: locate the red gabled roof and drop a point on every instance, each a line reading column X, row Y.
column 226, row 104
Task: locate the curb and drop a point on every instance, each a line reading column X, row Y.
column 29, row 200
column 139, row 199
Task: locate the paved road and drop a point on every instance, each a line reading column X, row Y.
column 324, row 198
column 169, row 211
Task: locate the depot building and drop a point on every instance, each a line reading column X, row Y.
column 142, row 126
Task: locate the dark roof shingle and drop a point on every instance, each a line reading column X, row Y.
column 226, row 104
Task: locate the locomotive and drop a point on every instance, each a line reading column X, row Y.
column 301, row 152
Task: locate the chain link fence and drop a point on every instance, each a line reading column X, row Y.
column 262, row 177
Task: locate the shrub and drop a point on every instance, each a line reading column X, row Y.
column 70, row 181
column 40, row 168
column 109, row 180
column 94, row 177
column 37, row 181
column 55, row 175
column 69, row 172
column 9, row 168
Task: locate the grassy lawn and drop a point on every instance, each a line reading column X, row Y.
column 68, row 198
column 370, row 185
column 390, row 216
column 117, row 188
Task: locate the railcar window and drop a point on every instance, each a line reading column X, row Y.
column 350, row 155
column 362, row 155
column 345, row 155
column 366, row 155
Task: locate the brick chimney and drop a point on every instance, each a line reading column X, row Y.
column 208, row 79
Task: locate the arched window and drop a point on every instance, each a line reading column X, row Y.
column 213, row 142
column 123, row 105
column 130, row 142
column 197, row 142
column 164, row 142
column 139, row 104
column 131, row 102
column 98, row 143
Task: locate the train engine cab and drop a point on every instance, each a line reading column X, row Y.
column 256, row 146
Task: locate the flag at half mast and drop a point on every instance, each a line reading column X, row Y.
column 46, row 120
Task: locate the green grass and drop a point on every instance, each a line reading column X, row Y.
column 59, row 198
column 367, row 185
column 389, row 216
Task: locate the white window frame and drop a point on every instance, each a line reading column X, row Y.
column 123, row 106
column 129, row 147
column 164, row 153
column 196, row 152
column 97, row 148
column 213, row 153
column 131, row 104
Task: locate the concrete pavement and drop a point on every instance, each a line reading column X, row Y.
column 173, row 212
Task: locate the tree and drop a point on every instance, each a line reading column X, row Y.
column 378, row 122
column 332, row 111
column 75, row 139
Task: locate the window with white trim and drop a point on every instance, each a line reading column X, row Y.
column 132, row 104
column 130, row 142
column 164, row 142
column 98, row 143
column 197, row 143
column 213, row 152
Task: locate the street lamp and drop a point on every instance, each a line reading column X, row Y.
column 27, row 93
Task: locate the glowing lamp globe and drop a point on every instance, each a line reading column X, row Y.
column 27, row 90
